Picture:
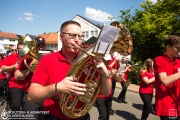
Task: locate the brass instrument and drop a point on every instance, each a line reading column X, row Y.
column 119, row 77
column 77, row 106
column 30, row 52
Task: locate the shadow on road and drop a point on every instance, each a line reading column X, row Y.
column 2, row 103
column 137, row 106
column 115, row 99
column 126, row 115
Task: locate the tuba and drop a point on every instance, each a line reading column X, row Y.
column 77, row 106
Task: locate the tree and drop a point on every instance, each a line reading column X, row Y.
column 150, row 26
column 20, row 39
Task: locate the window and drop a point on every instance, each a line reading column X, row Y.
column 12, row 40
column 96, row 33
column 87, row 34
column 92, row 33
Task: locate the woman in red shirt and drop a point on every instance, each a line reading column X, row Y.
column 147, row 78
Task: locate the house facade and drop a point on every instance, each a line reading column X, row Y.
column 51, row 40
column 8, row 39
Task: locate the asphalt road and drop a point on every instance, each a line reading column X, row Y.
column 130, row 111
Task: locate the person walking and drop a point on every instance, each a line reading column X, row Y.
column 167, row 80
column 50, row 80
column 146, row 76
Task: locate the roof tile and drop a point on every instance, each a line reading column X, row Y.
column 8, row 35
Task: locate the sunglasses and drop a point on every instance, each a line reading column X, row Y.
column 14, row 50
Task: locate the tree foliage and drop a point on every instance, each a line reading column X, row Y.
column 150, row 26
column 20, row 39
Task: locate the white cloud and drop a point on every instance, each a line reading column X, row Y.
column 153, row 1
column 28, row 14
column 29, row 18
column 97, row 15
column 20, row 18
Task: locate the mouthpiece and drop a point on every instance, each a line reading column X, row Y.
column 77, row 46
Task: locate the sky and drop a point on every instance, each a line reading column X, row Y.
column 38, row 16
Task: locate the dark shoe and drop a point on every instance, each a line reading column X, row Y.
column 7, row 107
column 119, row 100
column 153, row 112
column 123, row 101
column 112, row 112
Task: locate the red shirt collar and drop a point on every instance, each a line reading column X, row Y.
column 61, row 56
column 169, row 59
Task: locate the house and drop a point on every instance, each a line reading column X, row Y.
column 51, row 40
column 8, row 39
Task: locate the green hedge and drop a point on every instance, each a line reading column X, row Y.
column 134, row 75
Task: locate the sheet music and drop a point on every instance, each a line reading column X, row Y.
column 106, row 38
column 121, row 68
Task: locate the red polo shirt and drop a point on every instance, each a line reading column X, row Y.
column 125, row 76
column 115, row 66
column 11, row 60
column 51, row 69
column 2, row 75
column 144, row 88
column 27, row 80
column 167, row 97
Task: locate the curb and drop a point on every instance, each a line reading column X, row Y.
column 130, row 90
column 134, row 91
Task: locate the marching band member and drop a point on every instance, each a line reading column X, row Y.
column 124, row 76
column 49, row 79
column 167, row 78
column 114, row 64
column 24, row 75
column 104, row 103
column 147, row 79
column 2, row 79
column 15, row 86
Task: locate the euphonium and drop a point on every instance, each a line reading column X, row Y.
column 77, row 106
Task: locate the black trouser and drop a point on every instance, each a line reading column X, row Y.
column 113, row 88
column 50, row 117
column 147, row 107
column 16, row 96
column 3, row 86
column 28, row 106
column 103, row 105
column 122, row 94
column 169, row 118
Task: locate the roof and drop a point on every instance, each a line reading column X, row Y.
column 91, row 40
column 32, row 36
column 8, row 35
column 50, row 38
column 43, row 35
column 96, row 23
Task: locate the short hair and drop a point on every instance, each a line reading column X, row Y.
column 67, row 23
column 171, row 40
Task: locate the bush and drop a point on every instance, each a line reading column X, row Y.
column 134, row 75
